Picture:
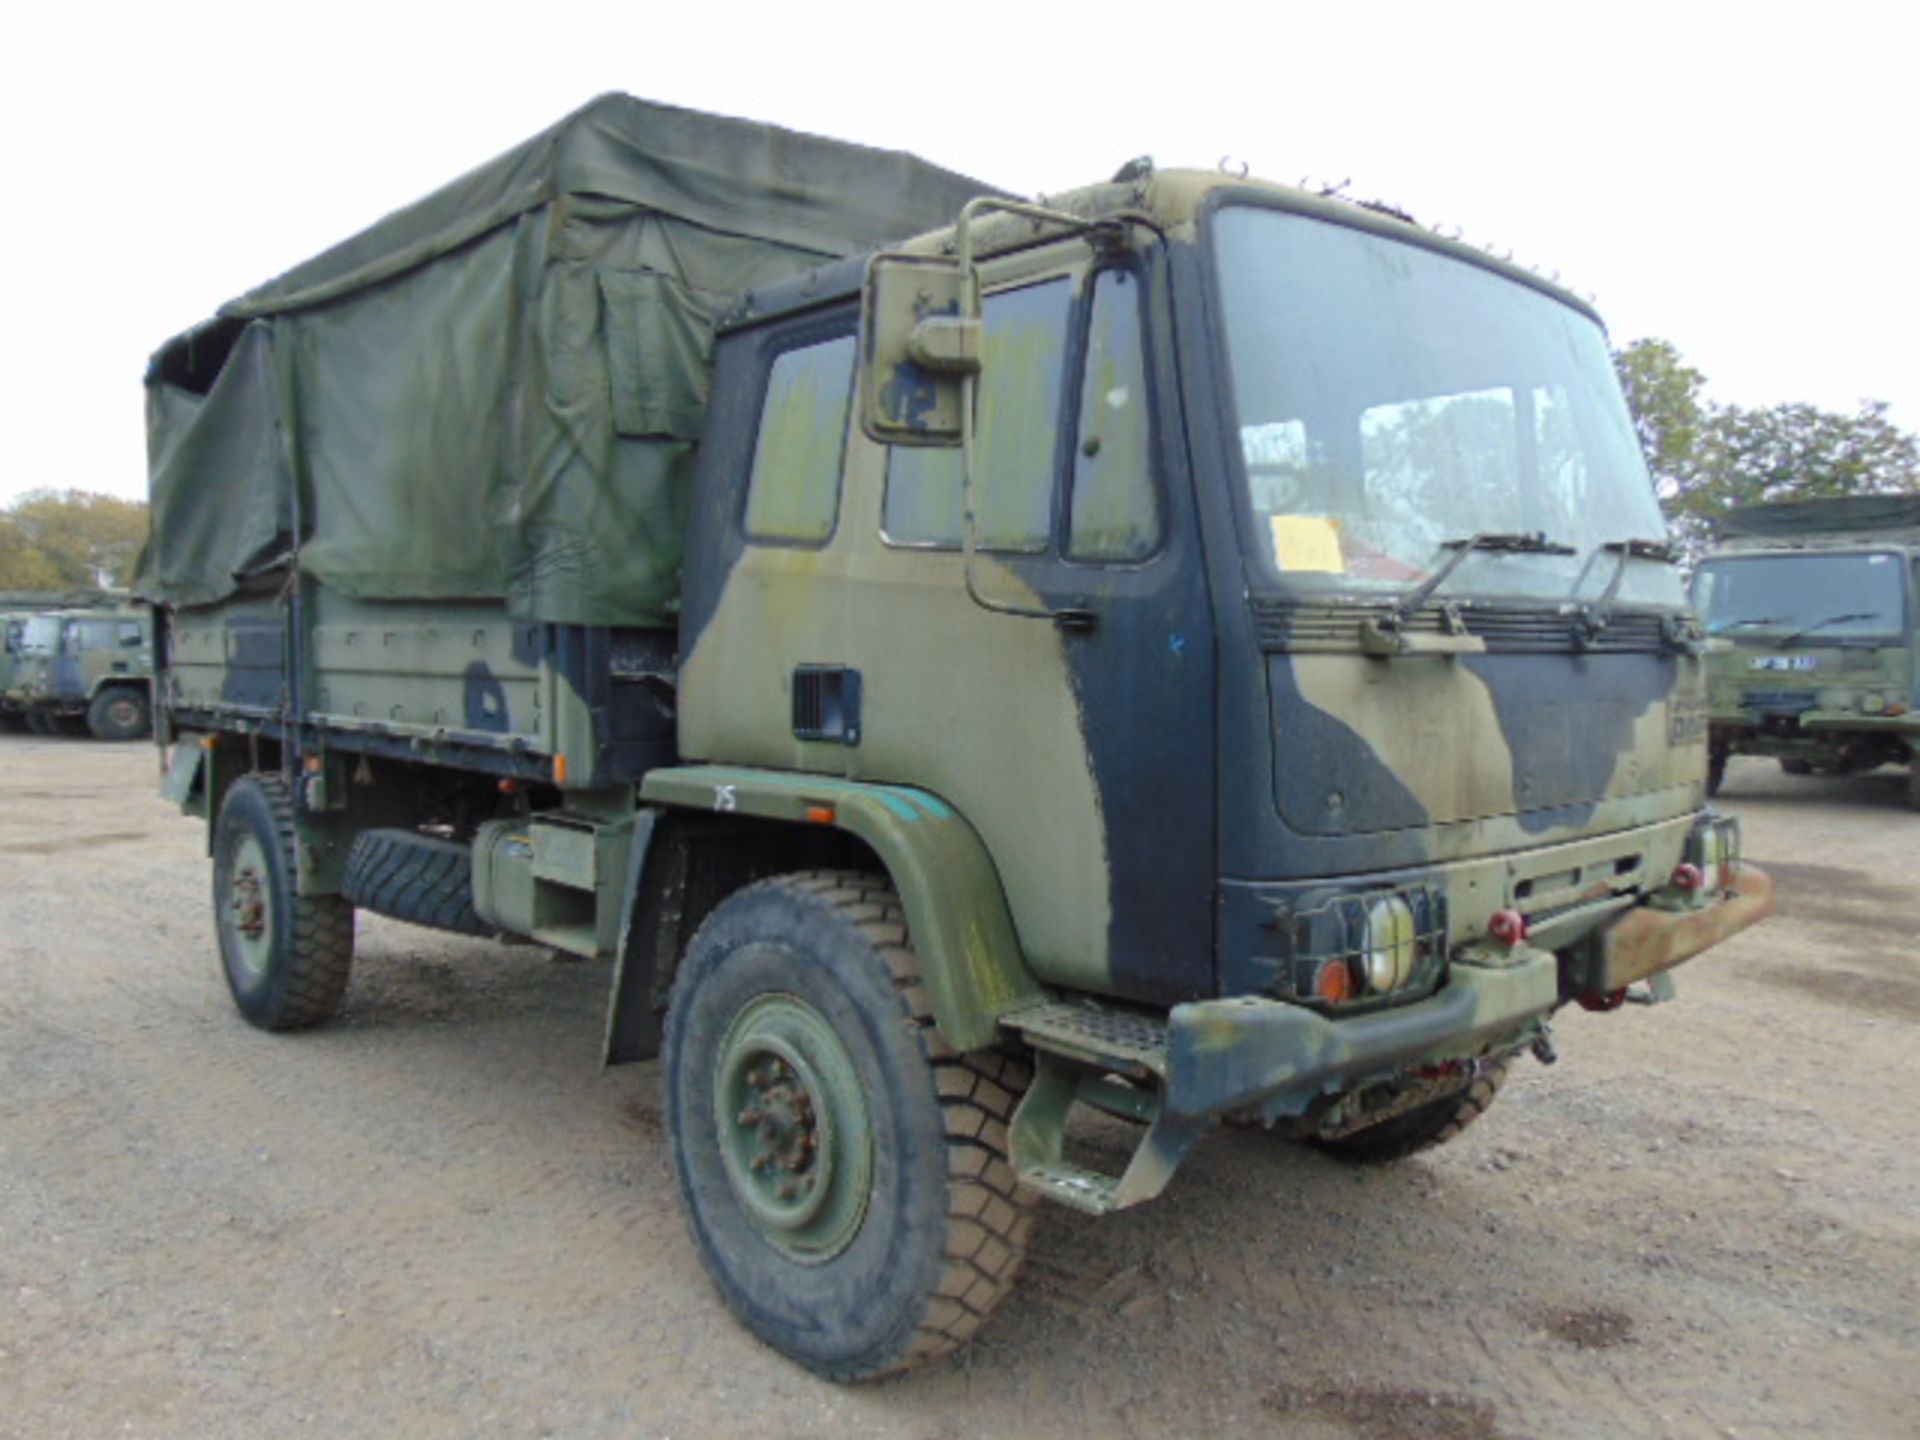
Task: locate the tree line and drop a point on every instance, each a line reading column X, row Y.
column 61, row 541
column 1707, row 458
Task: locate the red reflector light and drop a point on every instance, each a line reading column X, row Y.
column 1688, row 877
column 1509, row 927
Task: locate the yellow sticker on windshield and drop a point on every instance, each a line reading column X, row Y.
column 1307, row 543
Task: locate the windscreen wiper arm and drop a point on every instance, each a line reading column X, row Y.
column 1515, row 543
column 1822, row 624
column 1595, row 617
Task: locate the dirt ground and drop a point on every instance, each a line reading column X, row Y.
column 438, row 1217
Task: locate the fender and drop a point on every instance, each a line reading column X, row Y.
column 956, row 911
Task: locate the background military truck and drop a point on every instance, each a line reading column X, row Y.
column 1816, row 608
column 12, row 625
column 1195, row 650
column 82, row 671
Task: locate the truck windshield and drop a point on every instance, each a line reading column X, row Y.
column 1391, row 398
column 1819, row 596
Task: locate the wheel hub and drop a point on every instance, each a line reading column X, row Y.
column 791, row 1117
column 249, row 917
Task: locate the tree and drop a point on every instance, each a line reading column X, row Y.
column 70, row 540
column 1663, row 395
column 1707, row 458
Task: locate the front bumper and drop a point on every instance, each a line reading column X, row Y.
column 1249, row 1052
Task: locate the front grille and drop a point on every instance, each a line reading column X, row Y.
column 1285, row 625
column 1780, row 702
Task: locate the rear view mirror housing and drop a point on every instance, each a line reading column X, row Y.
column 919, row 342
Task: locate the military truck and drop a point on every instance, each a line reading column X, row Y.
column 1193, row 649
column 86, row 672
column 12, row 625
column 1815, row 605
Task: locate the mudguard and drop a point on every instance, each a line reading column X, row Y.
column 962, row 929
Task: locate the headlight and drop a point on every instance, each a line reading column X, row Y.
column 1392, row 944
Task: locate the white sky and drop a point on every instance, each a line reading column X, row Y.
column 1739, row 179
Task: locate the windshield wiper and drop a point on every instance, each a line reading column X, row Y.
column 1595, row 617
column 1750, row 620
column 1513, row 543
column 1822, row 624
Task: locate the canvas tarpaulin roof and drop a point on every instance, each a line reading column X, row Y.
column 495, row 391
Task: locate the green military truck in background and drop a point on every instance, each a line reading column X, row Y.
column 1815, row 610
column 1191, row 650
column 84, row 669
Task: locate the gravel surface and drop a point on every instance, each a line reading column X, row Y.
column 438, row 1217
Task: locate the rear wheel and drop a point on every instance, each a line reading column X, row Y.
column 1423, row 1127
column 1794, row 765
column 844, row 1172
column 286, row 955
column 118, row 714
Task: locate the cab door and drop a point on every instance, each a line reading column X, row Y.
column 1081, row 746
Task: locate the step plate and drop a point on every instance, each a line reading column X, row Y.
column 1129, row 1043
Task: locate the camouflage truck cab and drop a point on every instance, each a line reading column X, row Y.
column 1815, row 610
column 1194, row 650
column 86, row 672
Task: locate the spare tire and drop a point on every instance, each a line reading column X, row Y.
column 418, row 878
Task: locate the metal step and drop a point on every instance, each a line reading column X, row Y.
column 1078, row 1189
column 1118, row 1040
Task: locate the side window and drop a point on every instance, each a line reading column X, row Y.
column 1023, row 366
column 793, row 492
column 1115, row 514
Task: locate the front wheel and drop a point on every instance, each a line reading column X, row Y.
column 118, row 714
column 844, row 1172
column 286, row 955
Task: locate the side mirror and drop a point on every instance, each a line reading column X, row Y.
column 919, row 340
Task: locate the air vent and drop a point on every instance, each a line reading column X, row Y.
column 826, row 703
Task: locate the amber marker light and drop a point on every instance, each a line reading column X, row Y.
column 559, row 769
column 1333, row 982
column 820, row 815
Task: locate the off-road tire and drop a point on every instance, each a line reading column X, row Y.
column 119, row 713
column 417, row 878
column 943, row 1229
column 293, row 973
column 1794, row 765
column 1423, row 1127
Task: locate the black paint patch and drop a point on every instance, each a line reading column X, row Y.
column 1567, row 721
column 484, row 700
column 1326, row 778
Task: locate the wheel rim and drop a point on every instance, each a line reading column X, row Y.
column 249, row 906
column 794, row 1135
column 123, row 714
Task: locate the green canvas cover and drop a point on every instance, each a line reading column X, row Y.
column 495, row 392
column 1787, row 518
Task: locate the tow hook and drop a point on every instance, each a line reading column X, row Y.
column 1543, row 1050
